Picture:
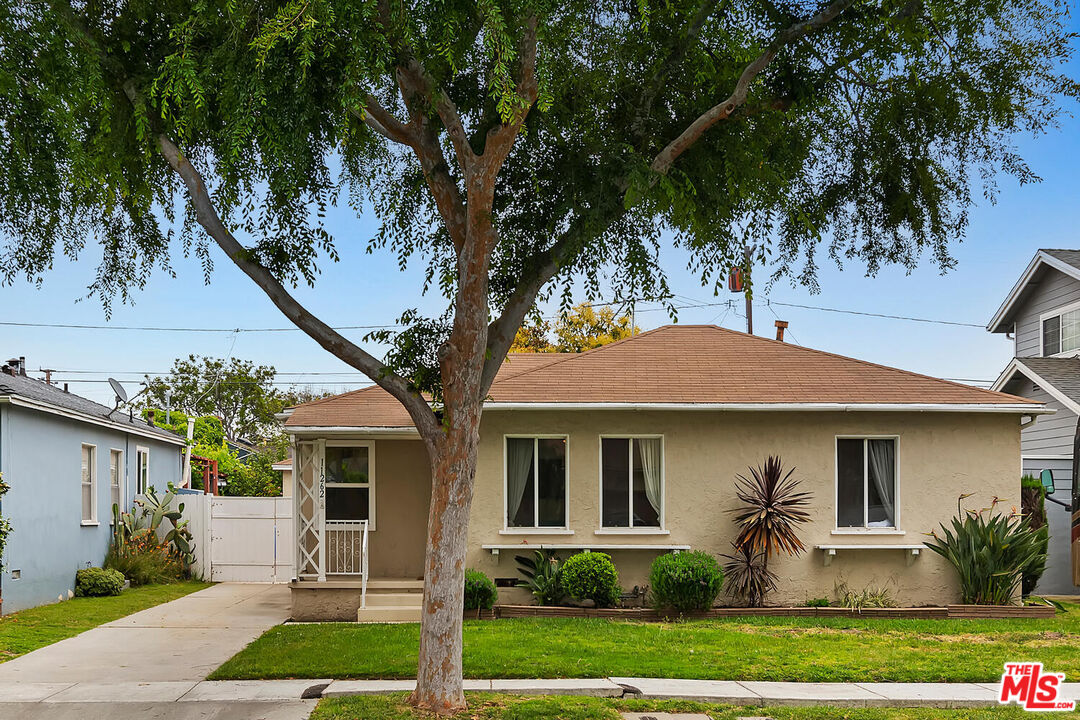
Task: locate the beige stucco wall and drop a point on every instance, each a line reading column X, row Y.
column 940, row 455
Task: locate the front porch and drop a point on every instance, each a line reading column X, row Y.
column 350, row 566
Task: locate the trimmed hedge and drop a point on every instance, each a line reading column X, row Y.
column 686, row 581
column 480, row 592
column 591, row 576
column 98, row 582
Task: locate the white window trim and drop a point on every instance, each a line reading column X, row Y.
column 896, row 529
column 631, row 530
column 563, row 529
column 1057, row 312
column 370, row 484
column 140, row 451
column 120, row 477
column 93, row 519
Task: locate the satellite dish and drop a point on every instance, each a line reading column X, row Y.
column 121, row 393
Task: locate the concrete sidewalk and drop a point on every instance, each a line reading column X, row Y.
column 302, row 692
column 182, row 640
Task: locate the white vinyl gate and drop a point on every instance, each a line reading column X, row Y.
column 240, row 539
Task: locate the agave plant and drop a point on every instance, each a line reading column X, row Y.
column 747, row 576
column 991, row 551
column 542, row 576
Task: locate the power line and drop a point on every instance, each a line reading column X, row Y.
column 877, row 315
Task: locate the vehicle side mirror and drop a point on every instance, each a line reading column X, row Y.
column 1047, row 477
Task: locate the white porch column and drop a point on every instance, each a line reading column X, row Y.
column 320, row 506
column 297, row 493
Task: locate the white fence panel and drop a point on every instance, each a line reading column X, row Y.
column 250, row 539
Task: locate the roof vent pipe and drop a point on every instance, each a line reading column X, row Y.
column 22, row 365
column 781, row 325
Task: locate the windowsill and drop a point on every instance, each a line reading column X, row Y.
column 631, row 531
column 536, row 531
column 89, row 523
column 868, row 531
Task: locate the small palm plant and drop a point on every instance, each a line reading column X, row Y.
column 772, row 509
column 991, row 551
column 542, row 576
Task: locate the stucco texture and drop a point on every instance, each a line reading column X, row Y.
column 940, row 456
column 40, row 457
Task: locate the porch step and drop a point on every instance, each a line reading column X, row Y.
column 396, row 586
column 388, row 613
column 396, row 599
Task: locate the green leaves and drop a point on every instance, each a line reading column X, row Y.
column 991, row 552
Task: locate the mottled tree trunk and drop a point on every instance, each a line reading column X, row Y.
column 453, row 468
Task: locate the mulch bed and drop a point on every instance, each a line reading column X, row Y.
column 650, row 615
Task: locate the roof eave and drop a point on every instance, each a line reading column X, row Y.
column 1016, row 408
column 999, row 323
column 41, row 406
column 1016, row 366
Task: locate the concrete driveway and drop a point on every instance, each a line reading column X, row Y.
column 185, row 639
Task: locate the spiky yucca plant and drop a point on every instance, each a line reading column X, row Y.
column 747, row 576
column 772, row 509
column 991, row 551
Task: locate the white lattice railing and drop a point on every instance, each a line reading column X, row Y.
column 345, row 547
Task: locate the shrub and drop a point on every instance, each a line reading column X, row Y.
column 591, row 576
column 144, row 560
column 817, row 602
column 686, row 581
column 1033, row 507
column 5, row 525
column 868, row 597
column 480, row 592
column 98, row 582
column 542, row 576
column 991, row 552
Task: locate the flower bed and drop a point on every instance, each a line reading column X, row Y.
column 650, row 615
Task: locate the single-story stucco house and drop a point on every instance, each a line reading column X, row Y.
column 633, row 448
column 68, row 460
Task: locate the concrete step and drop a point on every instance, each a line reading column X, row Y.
column 388, row 613
column 397, row 586
column 387, row 599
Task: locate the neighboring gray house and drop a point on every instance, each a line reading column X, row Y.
column 68, row 460
column 1042, row 316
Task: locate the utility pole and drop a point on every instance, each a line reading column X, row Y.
column 749, row 290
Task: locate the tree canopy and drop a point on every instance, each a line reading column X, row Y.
column 583, row 328
column 238, row 392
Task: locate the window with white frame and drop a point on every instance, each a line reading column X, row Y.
column 1061, row 333
column 535, row 482
column 866, row 483
column 116, row 470
column 348, row 482
column 631, row 482
column 89, row 484
column 142, row 470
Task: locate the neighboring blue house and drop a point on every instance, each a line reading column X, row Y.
column 67, row 460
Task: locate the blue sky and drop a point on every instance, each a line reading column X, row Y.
column 369, row 290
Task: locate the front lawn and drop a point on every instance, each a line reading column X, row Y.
column 796, row 649
column 28, row 630
column 505, row 707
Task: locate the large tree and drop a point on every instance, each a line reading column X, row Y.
column 516, row 146
column 582, row 328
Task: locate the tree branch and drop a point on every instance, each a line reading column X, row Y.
column 382, row 121
column 320, row 332
column 663, row 161
column 500, row 139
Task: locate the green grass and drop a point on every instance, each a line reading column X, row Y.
column 30, row 629
column 796, row 649
column 506, row 707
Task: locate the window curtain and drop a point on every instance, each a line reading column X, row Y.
column 883, row 471
column 649, row 451
column 519, row 461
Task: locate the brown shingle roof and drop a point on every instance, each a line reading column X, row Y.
column 701, row 364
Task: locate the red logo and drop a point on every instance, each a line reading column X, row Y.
column 1029, row 687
